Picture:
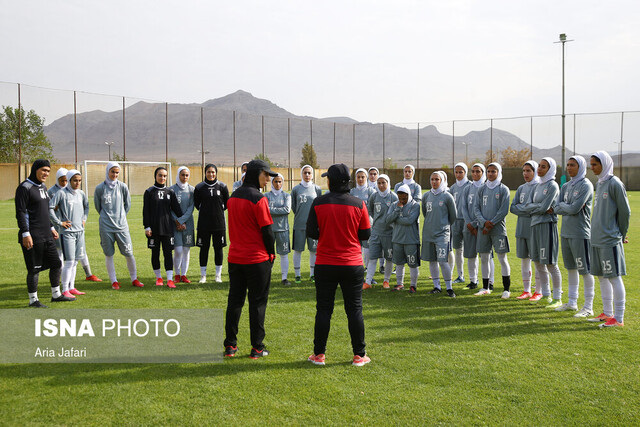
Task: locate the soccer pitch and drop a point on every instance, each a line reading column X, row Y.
column 435, row 360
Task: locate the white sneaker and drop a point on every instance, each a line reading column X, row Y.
column 482, row 291
column 584, row 312
column 567, row 307
column 506, row 295
column 218, row 278
column 203, row 279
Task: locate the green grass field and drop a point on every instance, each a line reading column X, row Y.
column 435, row 360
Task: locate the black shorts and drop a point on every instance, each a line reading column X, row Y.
column 42, row 256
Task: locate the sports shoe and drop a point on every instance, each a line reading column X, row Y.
column 385, row 285
column 312, row 279
column 435, row 291
column 218, row 278
column 68, row 294
column 567, row 307
column 37, row 304
column 373, row 282
column 600, row 318
column 365, row 285
column 159, row 281
column 115, row 285
column 535, row 297
column 184, row 279
column 612, row 322
column 360, row 360
column 255, row 354
column 93, row 278
column 203, row 279
column 171, row 284
column 230, row 350
column 298, row 279
column 176, row 278
column 584, row 312
column 490, row 286
column 451, row 293
column 412, row 289
column 63, row 298
column 74, row 291
column 460, row 279
column 482, row 291
column 286, row 282
column 316, row 359
column 555, row 303
column 398, row 287
column 137, row 283
column 505, row 295
column 524, row 295
column 471, row 285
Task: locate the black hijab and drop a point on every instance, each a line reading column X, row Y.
column 35, row 166
column 210, row 165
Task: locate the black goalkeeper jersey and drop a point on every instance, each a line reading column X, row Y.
column 156, row 212
column 211, row 201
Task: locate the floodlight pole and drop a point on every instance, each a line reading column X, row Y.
column 109, row 144
column 563, row 40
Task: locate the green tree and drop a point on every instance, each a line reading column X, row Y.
column 264, row 157
column 309, row 156
column 490, row 157
column 35, row 144
column 512, row 158
column 117, row 157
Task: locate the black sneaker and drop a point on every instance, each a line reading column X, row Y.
column 62, row 298
column 37, row 304
column 285, row 282
column 435, row 291
column 490, row 286
column 451, row 293
column 230, row 350
column 255, row 354
column 471, row 285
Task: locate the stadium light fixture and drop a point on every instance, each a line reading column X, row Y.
column 109, row 144
column 563, row 40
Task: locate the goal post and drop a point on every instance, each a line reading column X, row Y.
column 137, row 175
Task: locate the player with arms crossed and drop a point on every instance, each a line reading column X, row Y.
column 183, row 232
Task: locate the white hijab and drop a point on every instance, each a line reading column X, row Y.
column 404, row 188
column 366, row 178
column 273, row 190
column 536, row 178
column 551, row 173
column 388, row 190
column 110, row 166
column 465, row 179
column 373, row 184
column 413, row 170
column 70, row 174
column 304, row 183
column 183, row 186
column 498, row 180
column 582, row 170
column 483, row 178
column 443, row 182
column 607, row 165
column 61, row 172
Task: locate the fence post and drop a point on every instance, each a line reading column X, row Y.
column 75, row 127
column 19, row 133
column 124, row 132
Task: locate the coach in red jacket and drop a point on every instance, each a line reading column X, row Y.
column 251, row 255
column 339, row 222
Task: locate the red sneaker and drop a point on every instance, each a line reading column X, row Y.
column 176, row 278
column 170, row 284
column 398, row 287
column 159, row 281
column 360, row 360
column 525, row 295
column 365, row 285
column 93, row 278
column 535, row 297
column 385, row 285
column 74, row 291
column 184, row 279
column 115, row 285
column 611, row 322
column 137, row 283
column 68, row 294
column 316, row 359
column 600, row 318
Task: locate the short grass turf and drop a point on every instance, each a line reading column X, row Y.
column 435, row 360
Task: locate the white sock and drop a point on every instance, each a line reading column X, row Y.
column 60, row 255
column 435, row 274
column 33, row 297
column 525, row 268
column 487, row 264
column 542, row 276
column 297, row 259
column 414, row 272
column 186, row 256
column 505, row 268
column 606, row 290
column 388, row 269
column 72, row 278
column 158, row 273
column 492, row 269
column 459, row 263
column 218, row 270
column 365, row 256
column 446, row 274
column 589, row 291
column 400, row 274
column 619, row 296
column 451, row 260
column 556, row 279
column 111, row 268
column 177, row 259
column 574, row 284
column 85, row 265
column 312, row 263
column 66, row 275
column 203, row 271
column 472, row 266
column 55, row 292
column 131, row 265
column 169, row 275
column 284, row 266
column 371, row 269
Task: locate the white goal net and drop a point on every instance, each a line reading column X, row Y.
column 137, row 175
